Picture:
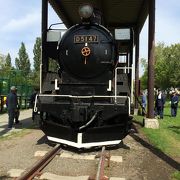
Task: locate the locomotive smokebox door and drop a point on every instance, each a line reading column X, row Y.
column 87, row 51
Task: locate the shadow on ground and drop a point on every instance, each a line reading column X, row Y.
column 139, row 123
column 175, row 129
column 24, row 124
column 5, row 178
column 157, row 152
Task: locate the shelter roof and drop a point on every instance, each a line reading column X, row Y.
column 116, row 13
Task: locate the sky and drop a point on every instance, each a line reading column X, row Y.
column 20, row 21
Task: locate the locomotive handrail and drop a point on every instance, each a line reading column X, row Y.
column 71, row 96
column 90, row 121
column 124, row 68
column 54, row 24
column 35, row 103
column 52, row 95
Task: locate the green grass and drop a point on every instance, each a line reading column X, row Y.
column 176, row 175
column 167, row 137
column 15, row 134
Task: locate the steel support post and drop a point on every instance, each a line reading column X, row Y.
column 131, row 65
column 44, row 61
column 137, row 69
column 151, row 47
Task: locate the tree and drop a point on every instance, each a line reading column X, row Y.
column 37, row 54
column 2, row 61
column 22, row 62
column 167, row 66
column 8, row 63
column 144, row 77
column 174, row 59
column 53, row 65
column 160, row 67
column 37, row 59
column 5, row 66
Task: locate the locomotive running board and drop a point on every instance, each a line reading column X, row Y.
column 79, row 144
column 81, row 97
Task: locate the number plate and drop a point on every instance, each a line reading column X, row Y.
column 85, row 38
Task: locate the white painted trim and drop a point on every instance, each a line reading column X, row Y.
column 79, row 138
column 110, row 84
column 40, row 84
column 83, row 145
column 35, row 103
column 56, row 84
column 132, row 85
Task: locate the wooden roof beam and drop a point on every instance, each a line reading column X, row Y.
column 143, row 13
column 60, row 11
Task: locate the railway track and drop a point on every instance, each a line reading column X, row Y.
column 36, row 169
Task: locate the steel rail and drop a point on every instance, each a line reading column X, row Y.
column 38, row 166
column 100, row 172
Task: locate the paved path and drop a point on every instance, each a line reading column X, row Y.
column 24, row 118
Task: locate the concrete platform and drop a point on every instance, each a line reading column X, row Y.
column 77, row 156
column 151, row 123
column 50, row 176
column 40, row 153
column 13, row 173
column 117, row 159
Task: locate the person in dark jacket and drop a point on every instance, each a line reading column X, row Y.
column 174, row 104
column 17, row 112
column 159, row 104
column 11, row 104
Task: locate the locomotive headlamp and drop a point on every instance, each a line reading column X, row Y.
column 85, row 11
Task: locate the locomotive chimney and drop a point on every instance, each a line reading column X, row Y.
column 85, row 12
column 89, row 14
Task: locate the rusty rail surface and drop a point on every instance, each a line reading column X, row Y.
column 101, row 165
column 37, row 167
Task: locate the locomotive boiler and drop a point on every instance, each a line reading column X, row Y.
column 87, row 101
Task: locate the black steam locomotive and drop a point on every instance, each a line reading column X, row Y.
column 87, row 101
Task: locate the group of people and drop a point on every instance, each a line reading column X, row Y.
column 160, row 101
column 13, row 107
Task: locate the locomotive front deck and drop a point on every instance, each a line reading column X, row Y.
column 107, row 128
